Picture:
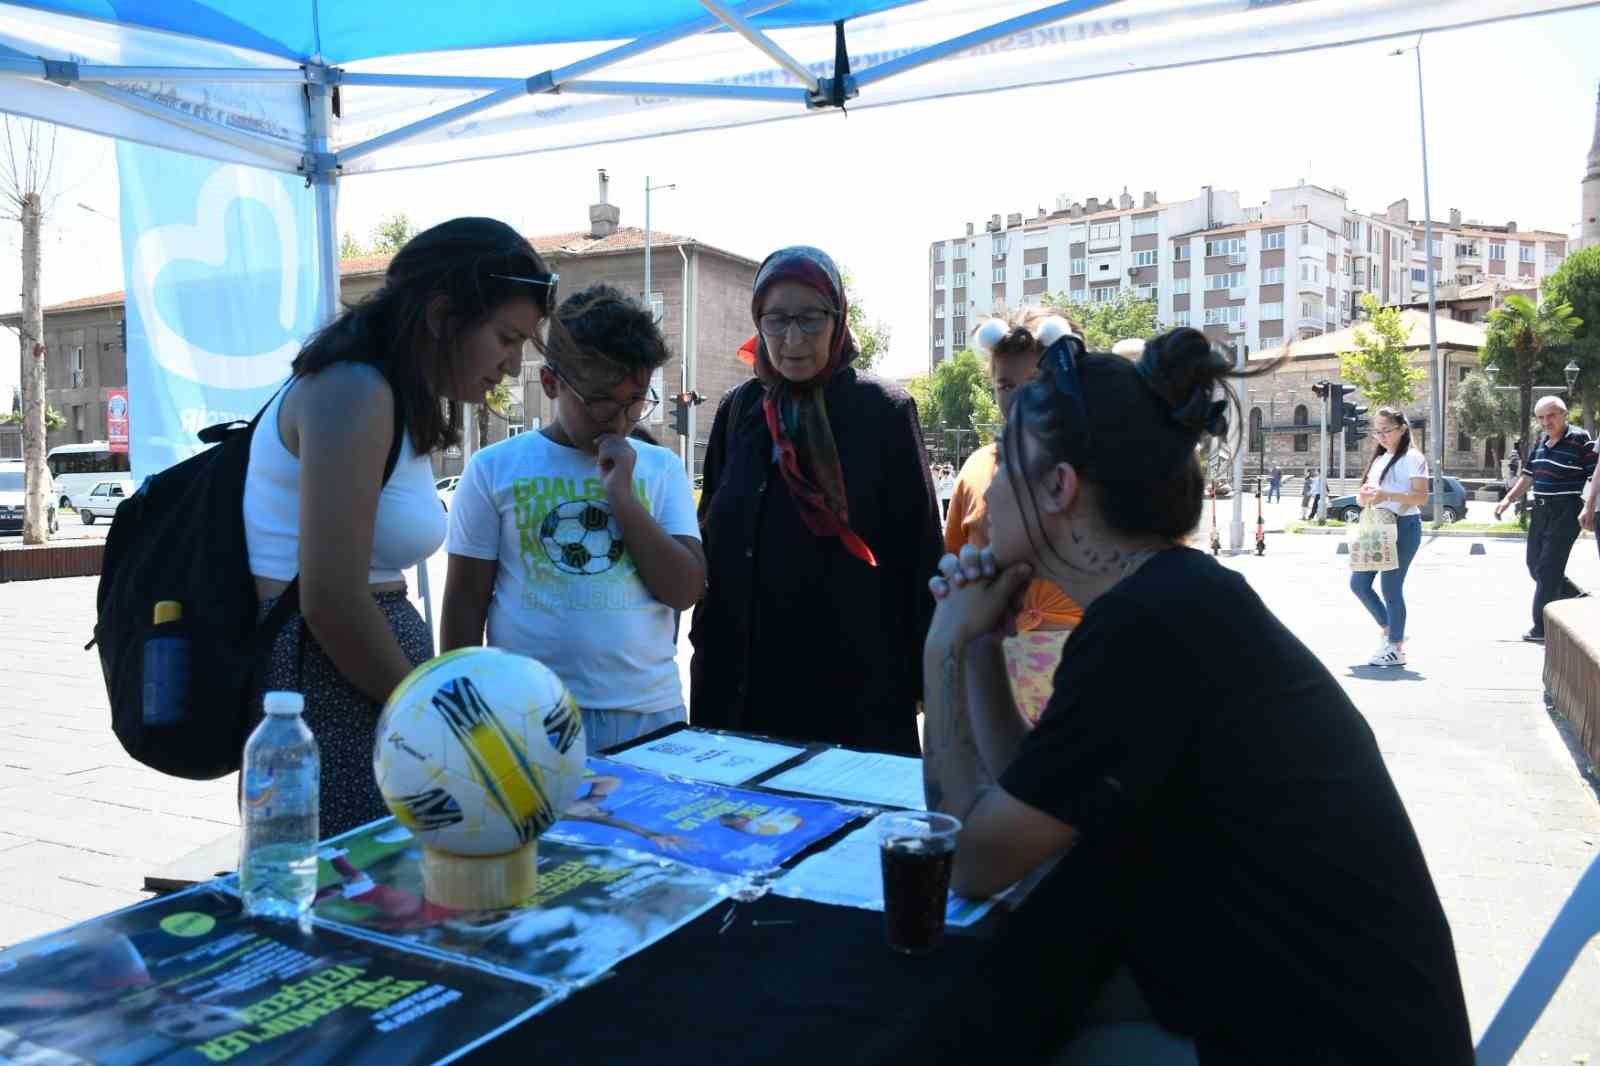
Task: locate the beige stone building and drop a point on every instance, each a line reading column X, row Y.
column 1284, row 414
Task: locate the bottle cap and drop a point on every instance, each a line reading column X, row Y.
column 284, row 703
column 168, row 611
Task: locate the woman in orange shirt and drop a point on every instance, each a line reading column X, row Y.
column 1013, row 347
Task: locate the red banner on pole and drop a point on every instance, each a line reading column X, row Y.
column 117, row 419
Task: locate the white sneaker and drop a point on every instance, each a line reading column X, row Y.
column 1389, row 656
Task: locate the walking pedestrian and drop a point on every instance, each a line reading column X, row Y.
column 1399, row 485
column 1562, row 460
column 1275, row 486
column 1318, row 492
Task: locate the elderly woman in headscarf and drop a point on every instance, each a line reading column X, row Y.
column 821, row 529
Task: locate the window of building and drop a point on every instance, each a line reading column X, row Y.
column 1103, row 294
column 938, row 253
column 1180, row 318
column 77, row 368
column 1273, row 310
column 1310, row 309
column 1225, row 247
column 1105, row 231
column 938, row 340
column 959, row 338
column 1001, row 246
column 1525, row 253
column 1310, row 272
column 1221, row 316
column 1145, row 259
column 1180, row 286
column 1080, row 266
column 1077, row 234
column 1551, row 262
column 1497, row 250
column 938, row 310
column 1145, row 225
column 1466, row 249
column 938, row 281
column 999, row 274
column 1272, row 240
column 1302, row 417
column 1463, row 442
column 1438, row 249
column 1034, row 270
column 1272, row 276
column 959, row 310
column 958, row 281
column 1180, row 251
column 1225, row 281
column 1419, row 275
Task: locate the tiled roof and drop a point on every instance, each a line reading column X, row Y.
column 576, row 243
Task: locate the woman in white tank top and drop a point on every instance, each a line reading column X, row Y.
column 457, row 306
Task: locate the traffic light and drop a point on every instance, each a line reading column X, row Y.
column 1355, row 424
column 679, row 405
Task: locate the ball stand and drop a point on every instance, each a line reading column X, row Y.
column 480, row 882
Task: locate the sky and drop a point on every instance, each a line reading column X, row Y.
column 1510, row 119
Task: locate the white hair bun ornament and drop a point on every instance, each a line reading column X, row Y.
column 991, row 333
column 1051, row 330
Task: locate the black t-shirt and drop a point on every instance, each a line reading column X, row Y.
column 1255, row 868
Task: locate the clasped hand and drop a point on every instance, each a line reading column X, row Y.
column 1367, row 495
column 975, row 596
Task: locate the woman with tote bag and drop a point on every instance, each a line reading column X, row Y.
column 1396, row 480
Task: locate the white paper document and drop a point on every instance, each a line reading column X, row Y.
column 718, row 758
column 859, row 776
column 850, row 874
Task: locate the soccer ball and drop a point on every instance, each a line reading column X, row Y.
column 581, row 537
column 479, row 751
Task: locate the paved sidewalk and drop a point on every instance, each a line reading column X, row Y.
column 1506, row 819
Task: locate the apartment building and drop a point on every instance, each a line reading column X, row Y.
column 1294, row 266
column 1469, row 252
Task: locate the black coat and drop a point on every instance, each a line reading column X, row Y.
column 795, row 636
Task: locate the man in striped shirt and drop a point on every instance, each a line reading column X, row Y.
column 1561, row 462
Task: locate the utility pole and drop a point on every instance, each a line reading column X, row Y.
column 648, row 189
column 1321, row 389
column 1236, row 527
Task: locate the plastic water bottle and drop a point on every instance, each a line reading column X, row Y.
column 278, row 849
column 167, row 666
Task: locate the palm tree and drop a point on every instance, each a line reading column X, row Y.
column 1519, row 336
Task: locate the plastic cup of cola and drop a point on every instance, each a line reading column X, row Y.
column 917, row 849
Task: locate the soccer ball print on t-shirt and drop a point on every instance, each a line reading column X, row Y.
column 570, row 546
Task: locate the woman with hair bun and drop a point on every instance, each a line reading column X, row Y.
column 1239, row 881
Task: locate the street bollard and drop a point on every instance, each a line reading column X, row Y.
column 1477, row 548
column 1343, row 549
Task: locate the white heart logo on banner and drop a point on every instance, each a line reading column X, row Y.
column 205, row 241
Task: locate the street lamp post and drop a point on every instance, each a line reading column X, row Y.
column 648, row 189
column 1436, row 438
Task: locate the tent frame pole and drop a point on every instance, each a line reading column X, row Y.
column 741, row 25
column 322, row 173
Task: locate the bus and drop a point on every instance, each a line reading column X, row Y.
column 77, row 468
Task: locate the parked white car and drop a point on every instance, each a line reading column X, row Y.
column 446, row 488
column 103, row 500
column 11, row 496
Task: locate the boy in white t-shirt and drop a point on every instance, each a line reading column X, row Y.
column 577, row 545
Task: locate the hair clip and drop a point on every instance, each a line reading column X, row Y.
column 1051, row 330
column 1201, row 414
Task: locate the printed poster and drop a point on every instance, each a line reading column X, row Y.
column 707, row 755
column 728, row 829
column 117, row 420
column 592, row 909
column 189, row 979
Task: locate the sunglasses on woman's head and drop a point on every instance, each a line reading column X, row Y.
column 546, row 283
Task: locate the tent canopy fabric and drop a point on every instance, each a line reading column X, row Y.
column 420, row 83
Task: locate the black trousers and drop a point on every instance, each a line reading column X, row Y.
column 1551, row 533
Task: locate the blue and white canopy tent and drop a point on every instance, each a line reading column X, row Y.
column 276, row 102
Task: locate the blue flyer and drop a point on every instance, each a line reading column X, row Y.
column 731, row 830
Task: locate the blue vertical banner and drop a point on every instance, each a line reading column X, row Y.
column 221, row 273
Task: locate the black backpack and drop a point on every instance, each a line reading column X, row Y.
column 181, row 537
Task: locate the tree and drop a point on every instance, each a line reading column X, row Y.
column 1380, row 366
column 1481, row 410
column 957, row 403
column 350, row 247
column 53, row 419
column 1577, row 282
column 1522, row 338
column 390, row 235
column 1107, row 322
column 25, row 173
column 872, row 335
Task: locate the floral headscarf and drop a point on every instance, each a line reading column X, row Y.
column 796, row 413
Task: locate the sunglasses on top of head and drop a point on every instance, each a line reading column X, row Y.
column 546, row 284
